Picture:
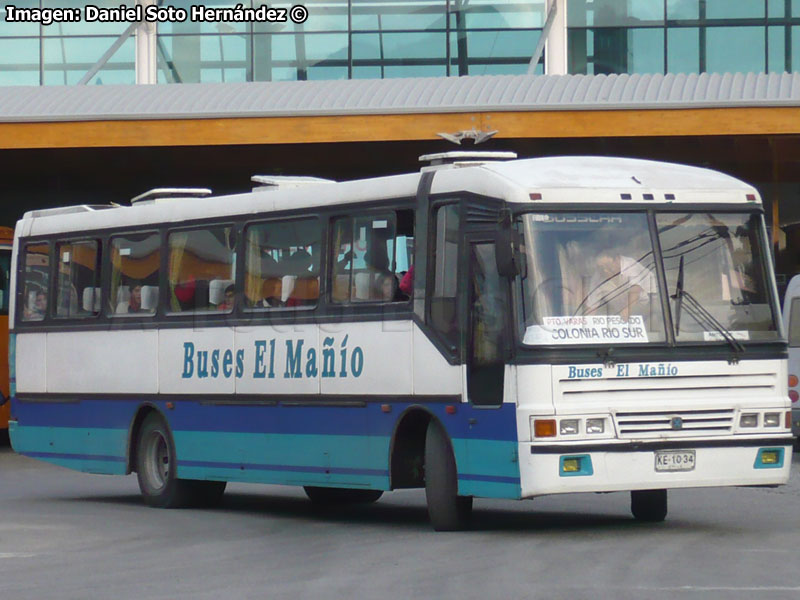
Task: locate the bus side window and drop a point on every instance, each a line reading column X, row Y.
column 197, row 258
column 135, row 262
column 36, row 277
column 282, row 264
column 444, row 263
column 370, row 256
column 78, row 279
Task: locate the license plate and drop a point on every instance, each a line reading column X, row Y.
column 675, row 460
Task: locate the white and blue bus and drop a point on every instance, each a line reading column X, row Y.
column 481, row 328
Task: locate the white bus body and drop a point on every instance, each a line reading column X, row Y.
column 515, row 392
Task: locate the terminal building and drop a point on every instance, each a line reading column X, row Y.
column 95, row 112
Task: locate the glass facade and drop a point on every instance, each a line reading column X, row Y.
column 683, row 36
column 362, row 39
column 341, row 39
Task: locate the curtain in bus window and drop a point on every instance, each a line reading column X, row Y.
column 36, row 279
column 135, row 263
column 77, row 283
column 282, row 264
column 202, row 269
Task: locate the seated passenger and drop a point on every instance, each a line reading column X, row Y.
column 386, row 288
column 135, row 301
column 38, row 308
column 227, row 301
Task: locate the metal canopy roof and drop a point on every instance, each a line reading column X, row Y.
column 397, row 96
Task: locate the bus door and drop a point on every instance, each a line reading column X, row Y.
column 487, row 339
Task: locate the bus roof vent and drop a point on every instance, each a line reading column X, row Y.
column 151, row 196
column 268, row 183
column 463, row 158
column 65, row 210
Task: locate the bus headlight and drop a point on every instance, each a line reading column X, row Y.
column 568, row 426
column 749, row 420
column 595, row 425
column 772, row 419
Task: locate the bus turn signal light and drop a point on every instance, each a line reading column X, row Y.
column 544, row 428
column 793, row 381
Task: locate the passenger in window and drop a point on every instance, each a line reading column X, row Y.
column 227, row 301
column 185, row 294
column 37, row 310
column 135, row 301
column 622, row 285
column 407, row 282
column 387, row 288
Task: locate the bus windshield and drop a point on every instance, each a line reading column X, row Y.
column 592, row 278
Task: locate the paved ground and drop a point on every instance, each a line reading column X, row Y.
column 69, row 535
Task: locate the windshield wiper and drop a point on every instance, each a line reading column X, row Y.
column 699, row 313
column 678, row 297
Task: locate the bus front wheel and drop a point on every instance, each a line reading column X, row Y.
column 447, row 510
column 649, row 505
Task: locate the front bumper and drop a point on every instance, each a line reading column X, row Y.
column 631, row 466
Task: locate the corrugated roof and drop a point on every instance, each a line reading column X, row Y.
column 397, row 96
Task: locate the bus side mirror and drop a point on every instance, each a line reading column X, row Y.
column 505, row 242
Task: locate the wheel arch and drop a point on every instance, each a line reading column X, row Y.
column 407, row 448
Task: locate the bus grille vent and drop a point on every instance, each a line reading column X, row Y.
column 687, row 422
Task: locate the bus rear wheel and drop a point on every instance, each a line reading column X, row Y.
column 156, row 468
column 447, row 510
column 649, row 505
column 324, row 496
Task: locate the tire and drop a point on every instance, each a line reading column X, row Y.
column 156, row 468
column 447, row 510
column 649, row 506
column 324, row 496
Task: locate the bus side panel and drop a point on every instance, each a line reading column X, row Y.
column 85, row 435
column 31, row 363
column 106, row 362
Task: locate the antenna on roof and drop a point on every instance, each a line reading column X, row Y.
column 473, row 134
column 162, row 193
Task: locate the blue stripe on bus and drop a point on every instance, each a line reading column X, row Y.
column 290, row 468
column 70, row 456
column 494, row 424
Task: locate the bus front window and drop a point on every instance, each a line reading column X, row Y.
column 590, row 278
column 716, row 261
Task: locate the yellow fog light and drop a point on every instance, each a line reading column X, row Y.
column 770, row 457
column 571, row 465
column 575, row 466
